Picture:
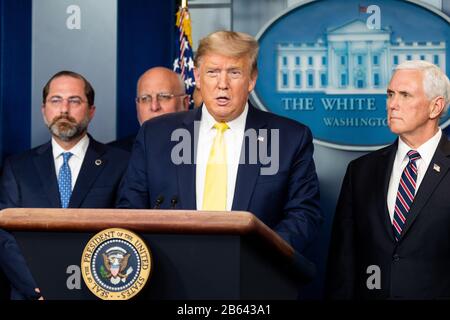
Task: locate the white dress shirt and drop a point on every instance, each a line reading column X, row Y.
column 233, row 140
column 75, row 161
column 426, row 152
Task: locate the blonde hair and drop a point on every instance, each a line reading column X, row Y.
column 230, row 44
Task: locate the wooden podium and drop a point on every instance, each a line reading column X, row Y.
column 196, row 254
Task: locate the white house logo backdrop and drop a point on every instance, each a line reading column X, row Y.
column 327, row 64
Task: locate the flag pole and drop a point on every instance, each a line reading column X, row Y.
column 183, row 3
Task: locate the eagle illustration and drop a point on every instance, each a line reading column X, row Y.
column 116, row 265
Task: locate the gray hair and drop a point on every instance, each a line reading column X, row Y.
column 435, row 81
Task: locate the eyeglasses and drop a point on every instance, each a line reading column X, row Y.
column 160, row 97
column 72, row 101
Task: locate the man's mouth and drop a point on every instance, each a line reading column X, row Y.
column 221, row 101
column 67, row 119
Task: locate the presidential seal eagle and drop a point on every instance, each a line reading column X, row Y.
column 116, row 261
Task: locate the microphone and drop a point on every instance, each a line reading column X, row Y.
column 174, row 202
column 159, row 201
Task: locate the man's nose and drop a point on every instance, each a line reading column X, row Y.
column 223, row 81
column 392, row 102
column 64, row 108
column 154, row 104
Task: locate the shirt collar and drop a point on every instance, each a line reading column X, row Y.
column 235, row 124
column 426, row 150
column 78, row 150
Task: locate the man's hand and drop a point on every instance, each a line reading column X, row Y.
column 39, row 291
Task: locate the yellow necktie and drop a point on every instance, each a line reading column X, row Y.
column 215, row 192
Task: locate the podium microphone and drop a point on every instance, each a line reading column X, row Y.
column 174, row 202
column 159, row 201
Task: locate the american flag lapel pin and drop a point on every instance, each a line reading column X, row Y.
column 436, row 168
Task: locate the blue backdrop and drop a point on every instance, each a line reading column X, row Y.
column 139, row 48
column 15, row 75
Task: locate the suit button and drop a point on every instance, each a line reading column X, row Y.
column 396, row 257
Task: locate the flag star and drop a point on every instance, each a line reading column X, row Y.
column 189, row 83
column 186, row 45
column 175, row 64
column 185, row 62
column 190, row 64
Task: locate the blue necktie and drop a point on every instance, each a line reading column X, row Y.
column 405, row 194
column 65, row 180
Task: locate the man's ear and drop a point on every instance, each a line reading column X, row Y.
column 43, row 110
column 197, row 77
column 437, row 106
column 186, row 103
column 252, row 82
column 91, row 112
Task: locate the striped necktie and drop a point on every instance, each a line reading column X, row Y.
column 215, row 192
column 405, row 194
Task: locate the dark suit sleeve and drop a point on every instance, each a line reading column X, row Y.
column 9, row 190
column 133, row 189
column 341, row 260
column 302, row 214
column 15, row 268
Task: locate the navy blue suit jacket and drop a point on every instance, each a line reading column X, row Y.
column 14, row 266
column 415, row 267
column 287, row 201
column 29, row 180
column 124, row 143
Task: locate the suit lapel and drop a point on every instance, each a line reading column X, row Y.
column 430, row 181
column 248, row 173
column 93, row 164
column 186, row 172
column 383, row 176
column 45, row 167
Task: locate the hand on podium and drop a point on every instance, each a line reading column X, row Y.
column 39, row 291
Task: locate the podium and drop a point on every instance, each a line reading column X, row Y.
column 195, row 254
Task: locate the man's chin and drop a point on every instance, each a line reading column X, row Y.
column 395, row 129
column 67, row 135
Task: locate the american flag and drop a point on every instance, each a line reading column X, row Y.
column 184, row 58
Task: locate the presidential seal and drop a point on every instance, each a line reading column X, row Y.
column 116, row 264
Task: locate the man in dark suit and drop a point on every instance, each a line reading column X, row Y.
column 210, row 158
column 15, row 270
column 159, row 91
column 70, row 171
column 390, row 237
column 33, row 179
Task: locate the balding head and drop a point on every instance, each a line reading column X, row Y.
column 167, row 92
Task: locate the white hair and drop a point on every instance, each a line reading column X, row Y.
column 435, row 81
